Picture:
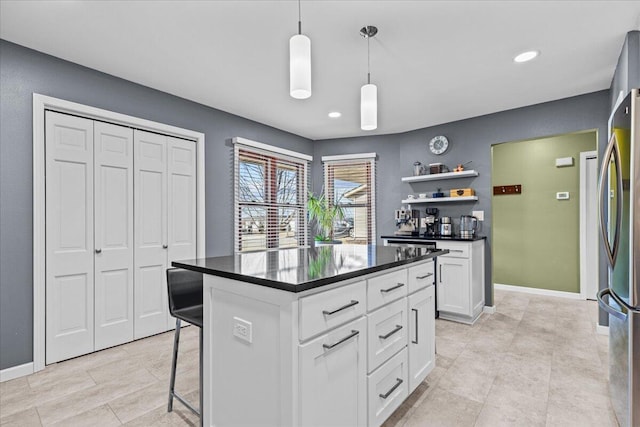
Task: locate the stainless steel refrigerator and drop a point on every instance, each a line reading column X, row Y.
column 620, row 227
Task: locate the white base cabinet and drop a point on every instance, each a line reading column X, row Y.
column 347, row 354
column 460, row 284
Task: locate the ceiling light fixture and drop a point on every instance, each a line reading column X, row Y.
column 526, row 56
column 335, row 114
column 300, row 63
column 368, row 92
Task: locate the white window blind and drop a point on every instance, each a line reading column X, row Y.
column 350, row 183
column 270, row 191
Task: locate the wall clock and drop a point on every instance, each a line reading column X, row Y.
column 438, row 144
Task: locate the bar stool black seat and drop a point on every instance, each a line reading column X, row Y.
column 185, row 304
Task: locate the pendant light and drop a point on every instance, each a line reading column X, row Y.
column 368, row 92
column 300, row 63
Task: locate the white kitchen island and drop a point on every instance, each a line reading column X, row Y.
column 335, row 335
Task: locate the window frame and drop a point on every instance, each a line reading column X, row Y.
column 354, row 159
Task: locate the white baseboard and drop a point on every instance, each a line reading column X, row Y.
column 489, row 309
column 536, row 291
column 16, row 372
column 602, row 330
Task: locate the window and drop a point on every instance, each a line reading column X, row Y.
column 349, row 182
column 270, row 197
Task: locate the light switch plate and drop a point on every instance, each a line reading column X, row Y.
column 242, row 329
column 478, row 214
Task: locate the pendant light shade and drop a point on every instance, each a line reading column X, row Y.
column 368, row 92
column 369, row 107
column 300, row 66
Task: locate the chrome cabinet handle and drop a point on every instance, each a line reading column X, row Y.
column 397, row 328
column 351, row 304
column 337, row 343
column 622, row 315
column 98, row 251
column 440, row 275
column 165, row 246
column 399, row 285
column 425, row 276
column 456, row 250
column 395, row 386
column 612, row 150
column 416, row 312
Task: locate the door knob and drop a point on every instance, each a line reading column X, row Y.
column 165, row 246
column 98, row 251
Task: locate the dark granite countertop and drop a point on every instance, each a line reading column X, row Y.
column 297, row 270
column 424, row 238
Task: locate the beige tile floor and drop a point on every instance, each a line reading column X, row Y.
column 536, row 361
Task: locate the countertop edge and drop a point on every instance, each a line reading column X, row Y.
column 307, row 285
column 427, row 239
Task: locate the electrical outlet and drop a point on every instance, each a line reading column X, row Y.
column 242, row 329
column 478, row 214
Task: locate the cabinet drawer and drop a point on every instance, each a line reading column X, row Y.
column 332, row 308
column 387, row 388
column 456, row 249
column 387, row 332
column 421, row 276
column 386, row 288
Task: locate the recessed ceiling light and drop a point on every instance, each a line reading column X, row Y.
column 335, row 114
column 526, row 56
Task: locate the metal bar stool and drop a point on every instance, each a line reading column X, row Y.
column 185, row 304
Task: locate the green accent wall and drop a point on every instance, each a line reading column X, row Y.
column 535, row 236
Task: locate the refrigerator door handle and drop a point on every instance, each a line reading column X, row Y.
column 612, row 150
column 620, row 314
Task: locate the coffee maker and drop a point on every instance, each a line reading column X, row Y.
column 408, row 222
column 431, row 222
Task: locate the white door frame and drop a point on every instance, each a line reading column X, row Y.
column 42, row 103
column 583, row 221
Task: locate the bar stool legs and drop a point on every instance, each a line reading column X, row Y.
column 172, row 380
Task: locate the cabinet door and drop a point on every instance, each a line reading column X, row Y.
column 332, row 378
column 181, row 199
column 113, row 183
column 453, row 285
column 150, row 205
column 69, row 236
column 422, row 334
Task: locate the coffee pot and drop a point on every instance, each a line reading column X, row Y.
column 468, row 226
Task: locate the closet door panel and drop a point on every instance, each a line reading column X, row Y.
column 69, row 236
column 182, row 201
column 113, row 235
column 150, row 194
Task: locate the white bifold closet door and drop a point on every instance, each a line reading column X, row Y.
column 165, row 222
column 113, row 184
column 69, row 236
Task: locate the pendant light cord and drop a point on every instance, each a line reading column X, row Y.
column 299, row 19
column 368, row 61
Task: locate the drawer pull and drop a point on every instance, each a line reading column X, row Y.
column 351, row 304
column 425, row 276
column 393, row 288
column 416, row 312
column 395, row 386
column 397, row 328
column 456, row 250
column 337, row 343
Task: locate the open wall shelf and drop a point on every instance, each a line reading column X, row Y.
column 441, row 200
column 440, row 176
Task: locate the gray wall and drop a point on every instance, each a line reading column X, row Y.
column 23, row 72
column 470, row 139
column 627, row 74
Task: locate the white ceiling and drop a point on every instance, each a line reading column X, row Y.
column 433, row 61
